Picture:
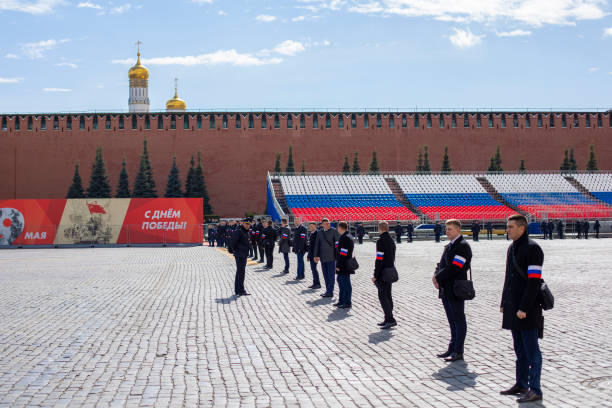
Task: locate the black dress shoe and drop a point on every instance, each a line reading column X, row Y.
column 515, row 390
column 337, row 304
column 244, row 294
column 389, row 325
column 454, row 357
column 345, row 306
column 382, row 323
column 315, row 287
column 326, row 295
column 529, row 397
column 444, row 355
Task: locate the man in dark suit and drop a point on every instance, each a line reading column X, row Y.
column 284, row 243
column 410, row 231
column 312, row 239
column 299, row 246
column 437, row 231
column 544, row 229
column 398, row 232
column 260, row 242
column 475, row 230
column 597, row 227
column 239, row 246
column 385, row 258
column 344, row 252
column 551, row 229
column 454, row 264
column 522, row 313
column 560, row 229
column 325, row 251
column 578, row 229
column 360, row 231
column 489, row 227
column 585, row 229
column 211, row 236
column 269, row 239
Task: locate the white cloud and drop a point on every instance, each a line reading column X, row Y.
column 608, row 32
column 10, row 80
column 124, row 8
column 57, row 89
column 222, row 13
column 298, row 18
column 88, row 4
column 532, row 12
column 289, row 47
column 513, row 33
column 318, row 5
column 11, row 56
column 31, row 7
column 265, row 18
column 221, row 57
column 593, row 69
column 66, row 64
column 465, row 38
column 202, row 1
column 36, row 50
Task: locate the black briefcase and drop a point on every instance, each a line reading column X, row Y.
column 464, row 289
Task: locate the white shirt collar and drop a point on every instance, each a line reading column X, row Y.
column 456, row 238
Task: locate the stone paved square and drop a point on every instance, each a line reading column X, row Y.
column 160, row 327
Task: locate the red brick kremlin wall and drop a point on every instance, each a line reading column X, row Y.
column 39, row 163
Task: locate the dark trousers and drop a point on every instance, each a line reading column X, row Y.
column 315, row 272
column 586, row 234
column 240, row 272
column 596, row 233
column 550, row 235
column 251, row 250
column 476, row 236
column 220, row 242
column 262, row 256
column 286, row 258
column 300, row 264
column 345, row 289
column 360, row 239
column 211, row 242
column 528, row 359
column 437, row 237
column 386, row 301
column 269, row 255
column 456, row 320
column 398, row 238
column 489, row 234
column 329, row 270
column 410, row 237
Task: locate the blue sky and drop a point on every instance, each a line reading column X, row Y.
column 60, row 55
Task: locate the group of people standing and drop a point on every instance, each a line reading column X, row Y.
column 333, row 248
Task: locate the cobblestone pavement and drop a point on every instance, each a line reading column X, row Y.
column 159, row 326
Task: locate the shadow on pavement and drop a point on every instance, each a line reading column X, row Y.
column 457, row 375
column 227, row 300
column 380, row 336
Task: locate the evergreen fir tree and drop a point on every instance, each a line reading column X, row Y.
column 565, row 165
column 492, row 167
column 374, row 164
column 277, row 166
column 522, row 166
column 189, row 179
column 76, row 188
column 572, row 161
column 446, row 168
column 419, row 167
column 592, row 163
column 498, row 160
column 290, row 167
column 173, row 188
column 199, row 186
column 144, row 184
column 123, row 187
column 426, row 165
column 356, row 167
column 346, row 168
column 98, row 184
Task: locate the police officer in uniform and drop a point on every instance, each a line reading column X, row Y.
column 522, row 313
column 437, row 231
column 360, row 231
column 344, row 252
column 284, row 243
column 410, row 231
column 597, row 227
column 312, row 239
column 269, row 239
column 299, row 247
column 398, row 233
column 454, row 264
column 239, row 246
column 385, row 258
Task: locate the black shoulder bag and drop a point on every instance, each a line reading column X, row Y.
column 389, row 274
column 544, row 296
column 464, row 289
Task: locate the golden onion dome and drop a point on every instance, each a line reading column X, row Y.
column 138, row 71
column 176, row 103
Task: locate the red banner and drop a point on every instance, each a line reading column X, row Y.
column 101, row 221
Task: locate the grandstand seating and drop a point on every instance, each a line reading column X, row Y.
column 600, row 185
column 546, row 195
column 444, row 196
column 346, row 197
